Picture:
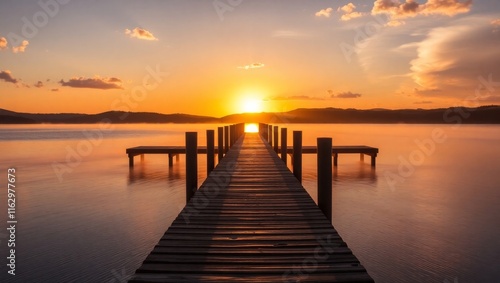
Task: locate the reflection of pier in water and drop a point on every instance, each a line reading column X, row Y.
column 153, row 173
column 355, row 174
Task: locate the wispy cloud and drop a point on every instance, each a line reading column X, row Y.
column 96, row 83
column 324, row 13
column 21, row 48
column 450, row 59
column 411, row 8
column 7, row 76
column 38, row 84
column 423, row 102
column 54, row 89
column 251, row 66
column 349, row 12
column 3, row 43
column 346, row 94
column 140, row 33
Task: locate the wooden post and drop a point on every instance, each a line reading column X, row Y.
column 241, row 130
column 226, row 139
column 335, row 159
column 265, row 131
column 275, row 143
column 232, row 132
column 220, row 142
column 191, row 164
column 374, row 157
column 142, row 157
column 325, row 176
column 170, row 160
column 297, row 155
column 130, row 160
column 284, row 144
column 361, row 157
column 210, row 151
column 270, row 137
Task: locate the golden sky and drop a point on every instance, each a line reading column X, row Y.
column 221, row 57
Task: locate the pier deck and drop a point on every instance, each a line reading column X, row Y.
column 251, row 221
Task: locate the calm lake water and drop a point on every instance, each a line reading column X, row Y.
column 429, row 212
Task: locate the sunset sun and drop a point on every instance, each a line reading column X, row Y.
column 251, row 105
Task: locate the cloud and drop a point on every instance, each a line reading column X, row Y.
column 296, row 97
column 349, row 12
column 7, row 76
column 445, row 7
column 3, row 43
column 394, row 23
column 140, row 34
column 38, row 84
column 485, row 99
column 423, row 102
column 452, row 61
column 346, row 94
column 54, row 89
column 324, row 13
column 251, row 66
column 410, row 8
column 21, row 48
column 96, row 82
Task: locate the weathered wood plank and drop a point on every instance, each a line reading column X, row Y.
column 289, row 277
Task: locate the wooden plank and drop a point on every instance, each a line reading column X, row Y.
column 337, row 149
column 289, row 277
column 164, row 150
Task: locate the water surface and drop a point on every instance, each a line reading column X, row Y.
column 425, row 214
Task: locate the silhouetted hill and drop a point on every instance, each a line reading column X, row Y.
column 480, row 115
column 139, row 117
column 41, row 118
column 9, row 117
column 6, row 119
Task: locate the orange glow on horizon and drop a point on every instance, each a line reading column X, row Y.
column 252, row 105
column 251, row 128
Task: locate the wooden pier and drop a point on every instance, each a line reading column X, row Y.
column 224, row 144
column 342, row 149
column 171, row 151
column 252, row 221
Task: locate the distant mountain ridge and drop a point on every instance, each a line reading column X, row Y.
column 479, row 115
column 105, row 117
